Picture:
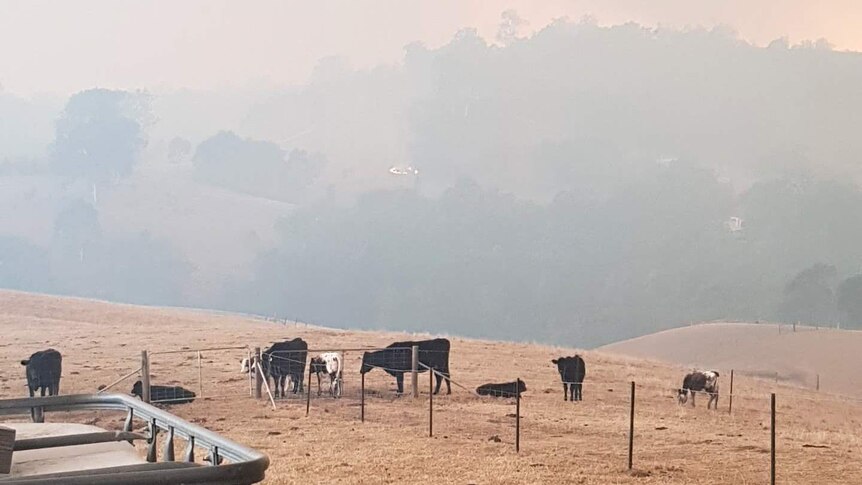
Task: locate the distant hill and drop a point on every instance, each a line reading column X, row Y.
column 761, row 350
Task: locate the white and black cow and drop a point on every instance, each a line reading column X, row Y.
column 705, row 381
column 332, row 364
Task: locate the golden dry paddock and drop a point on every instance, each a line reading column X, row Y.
column 562, row 442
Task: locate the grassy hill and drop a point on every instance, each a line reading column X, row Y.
column 797, row 355
column 562, row 442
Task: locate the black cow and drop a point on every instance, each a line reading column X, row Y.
column 572, row 371
column 506, row 389
column 43, row 372
column 283, row 360
column 703, row 381
column 397, row 358
column 165, row 394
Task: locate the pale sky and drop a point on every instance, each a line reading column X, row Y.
column 65, row 46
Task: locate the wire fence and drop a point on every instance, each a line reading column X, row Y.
column 368, row 379
column 181, row 376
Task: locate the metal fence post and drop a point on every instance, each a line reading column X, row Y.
column 168, row 452
column 200, row 374
column 145, row 376
column 518, row 415
column 772, row 441
column 362, row 401
column 308, row 394
column 414, row 371
column 632, row 426
column 430, row 403
column 258, row 378
column 818, row 381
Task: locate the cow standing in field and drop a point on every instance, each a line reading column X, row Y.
column 703, row 381
column 43, row 371
column 330, row 363
column 283, row 360
column 506, row 389
column 572, row 371
column 396, row 359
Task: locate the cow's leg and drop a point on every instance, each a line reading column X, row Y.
column 42, row 391
column 439, row 379
column 565, row 392
column 577, row 387
column 399, row 381
column 692, row 397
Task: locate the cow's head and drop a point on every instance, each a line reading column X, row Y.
column 138, row 389
column 522, row 387
column 562, row 363
column 245, row 365
column 367, row 357
column 682, row 396
column 316, row 364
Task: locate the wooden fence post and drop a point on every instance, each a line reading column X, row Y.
column 772, row 442
column 518, row 415
column 414, row 371
column 632, row 426
column 145, row 376
column 7, row 442
column 818, row 381
column 258, row 378
column 730, row 405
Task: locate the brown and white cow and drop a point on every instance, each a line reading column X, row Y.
column 332, row 364
column 700, row 381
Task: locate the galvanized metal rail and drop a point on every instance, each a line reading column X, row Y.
column 230, row 462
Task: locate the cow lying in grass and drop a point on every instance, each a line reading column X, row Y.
column 164, row 394
column 505, row 389
column 700, row 381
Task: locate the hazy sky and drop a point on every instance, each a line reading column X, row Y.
column 61, row 46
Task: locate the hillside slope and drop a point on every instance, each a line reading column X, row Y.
column 761, row 350
column 561, row 442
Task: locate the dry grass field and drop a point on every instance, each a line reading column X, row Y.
column 562, row 442
column 797, row 354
